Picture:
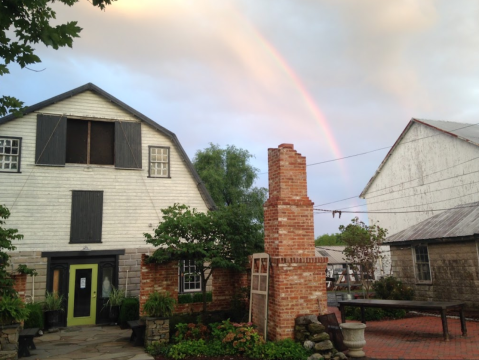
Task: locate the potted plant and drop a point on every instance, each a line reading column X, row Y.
column 12, row 310
column 53, row 306
column 114, row 302
column 158, row 307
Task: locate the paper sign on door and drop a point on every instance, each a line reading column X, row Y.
column 82, row 283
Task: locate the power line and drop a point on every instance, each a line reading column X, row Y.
column 326, row 211
column 412, row 187
column 383, row 148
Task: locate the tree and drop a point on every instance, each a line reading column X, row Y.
column 205, row 238
column 6, row 237
column 229, row 178
column 329, row 239
column 30, row 22
column 363, row 248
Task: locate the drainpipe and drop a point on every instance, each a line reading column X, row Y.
column 126, row 285
column 33, row 289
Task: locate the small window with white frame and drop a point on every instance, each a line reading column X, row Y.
column 159, row 161
column 421, row 264
column 10, row 154
column 190, row 280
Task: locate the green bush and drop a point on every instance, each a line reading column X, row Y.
column 374, row 314
column 35, row 318
column 12, row 310
column 159, row 304
column 191, row 332
column 129, row 311
column 284, row 349
column 390, row 288
column 158, row 348
column 194, row 298
column 237, row 338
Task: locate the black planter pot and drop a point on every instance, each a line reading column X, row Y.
column 52, row 318
column 114, row 313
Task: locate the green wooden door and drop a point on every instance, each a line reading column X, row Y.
column 82, row 294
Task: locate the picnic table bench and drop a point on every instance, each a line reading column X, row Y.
column 25, row 341
column 440, row 306
column 137, row 332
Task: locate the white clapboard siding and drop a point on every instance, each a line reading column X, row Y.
column 435, row 161
column 40, row 196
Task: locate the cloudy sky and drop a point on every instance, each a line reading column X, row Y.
column 335, row 78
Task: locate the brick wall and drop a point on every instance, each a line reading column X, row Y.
column 34, row 286
column 164, row 277
column 454, row 269
column 297, row 277
column 20, row 284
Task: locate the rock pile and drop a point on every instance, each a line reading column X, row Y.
column 312, row 334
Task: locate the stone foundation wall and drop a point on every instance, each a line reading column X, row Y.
column 9, row 341
column 454, row 270
column 157, row 330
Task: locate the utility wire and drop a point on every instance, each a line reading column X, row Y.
column 326, row 211
column 383, row 148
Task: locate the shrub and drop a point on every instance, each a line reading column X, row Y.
column 158, row 348
column 194, row 298
column 374, row 314
column 12, row 310
column 129, row 311
column 53, row 301
column 237, row 338
column 284, row 349
column 191, row 332
column 159, row 304
column 390, row 288
column 35, row 318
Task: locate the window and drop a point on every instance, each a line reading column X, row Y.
column 423, row 271
column 10, row 154
column 190, row 280
column 60, row 140
column 86, row 217
column 90, row 142
column 159, row 159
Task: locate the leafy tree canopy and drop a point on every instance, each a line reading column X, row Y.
column 6, row 237
column 229, row 178
column 329, row 239
column 363, row 248
column 24, row 23
column 208, row 238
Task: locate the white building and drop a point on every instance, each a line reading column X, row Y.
column 84, row 176
column 433, row 166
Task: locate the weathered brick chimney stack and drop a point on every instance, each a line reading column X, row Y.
column 297, row 277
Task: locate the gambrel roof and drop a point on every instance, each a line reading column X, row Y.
column 462, row 131
column 92, row 87
column 460, row 222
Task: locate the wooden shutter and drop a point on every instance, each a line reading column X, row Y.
column 51, row 140
column 86, row 217
column 128, row 145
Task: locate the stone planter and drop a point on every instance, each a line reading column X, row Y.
column 9, row 341
column 353, row 334
column 157, row 329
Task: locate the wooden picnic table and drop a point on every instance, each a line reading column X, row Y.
column 440, row 306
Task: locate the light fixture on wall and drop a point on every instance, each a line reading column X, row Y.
column 86, row 248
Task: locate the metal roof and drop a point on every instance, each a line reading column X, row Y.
column 333, row 253
column 92, row 87
column 459, row 222
column 462, row 131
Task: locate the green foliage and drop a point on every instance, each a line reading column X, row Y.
column 53, row 301
column 35, row 318
column 193, row 348
column 240, row 304
column 30, row 22
column 191, row 332
column 390, row 288
column 159, row 304
column 129, row 311
column 374, row 314
column 205, row 238
column 194, row 298
column 12, row 310
column 237, row 338
column 159, row 348
column 363, row 249
column 329, row 240
column 116, row 297
column 24, row 269
column 229, row 178
column 284, row 349
column 6, row 237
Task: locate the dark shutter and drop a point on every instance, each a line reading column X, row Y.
column 128, row 145
column 87, row 215
column 51, row 140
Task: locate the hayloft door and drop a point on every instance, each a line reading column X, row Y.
column 82, row 294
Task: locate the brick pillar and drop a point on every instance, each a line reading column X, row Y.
column 297, row 276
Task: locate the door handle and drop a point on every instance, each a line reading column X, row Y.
column 94, row 294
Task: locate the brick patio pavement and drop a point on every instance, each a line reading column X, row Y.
column 419, row 338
